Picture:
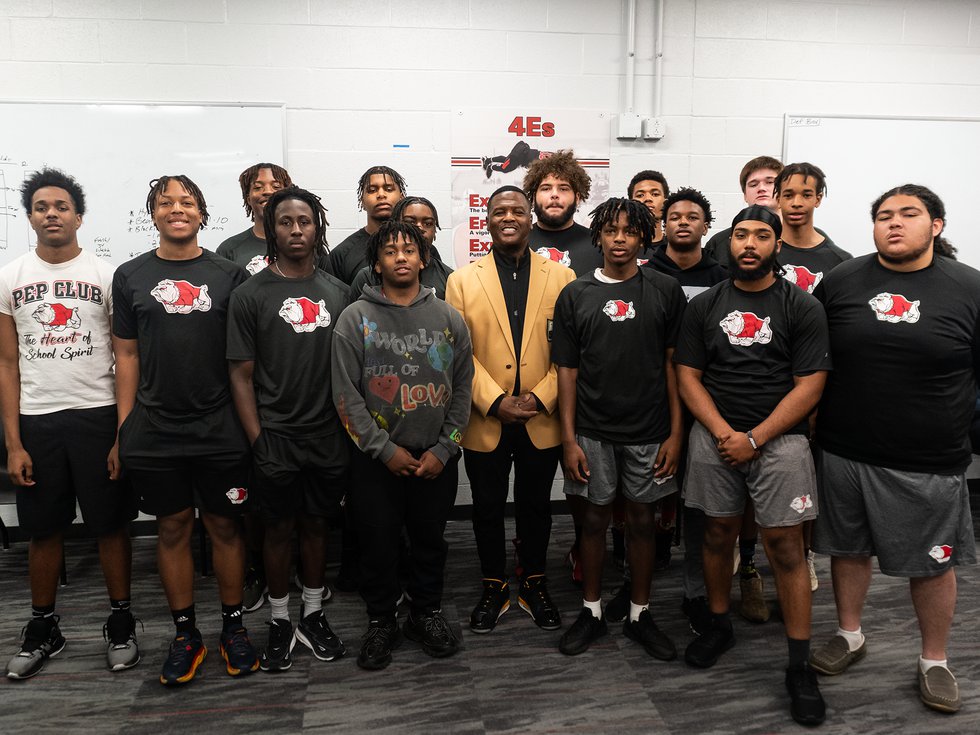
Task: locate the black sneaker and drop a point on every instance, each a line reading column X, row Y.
column 536, row 602
column 645, row 632
column 254, row 590
column 619, row 606
column 237, row 651
column 314, row 632
column 42, row 640
column 494, row 603
column 586, row 628
column 705, row 650
column 277, row 656
column 431, row 629
column 120, row 633
column 187, row 651
column 698, row 613
column 381, row 639
column 806, row 703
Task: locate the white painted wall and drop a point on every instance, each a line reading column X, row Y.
column 358, row 76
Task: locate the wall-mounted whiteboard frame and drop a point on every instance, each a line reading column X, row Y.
column 864, row 156
column 114, row 149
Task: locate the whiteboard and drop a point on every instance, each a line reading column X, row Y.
column 863, row 157
column 115, row 149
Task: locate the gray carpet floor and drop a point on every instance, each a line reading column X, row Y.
column 511, row 681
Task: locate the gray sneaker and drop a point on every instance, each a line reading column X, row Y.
column 42, row 640
column 120, row 633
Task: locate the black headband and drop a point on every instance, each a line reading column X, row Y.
column 760, row 214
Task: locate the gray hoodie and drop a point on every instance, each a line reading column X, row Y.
column 402, row 375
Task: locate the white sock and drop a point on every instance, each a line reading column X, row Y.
column 594, row 607
column 927, row 663
column 854, row 638
column 312, row 600
column 635, row 611
column 280, row 607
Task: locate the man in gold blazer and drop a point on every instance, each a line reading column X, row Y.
column 508, row 301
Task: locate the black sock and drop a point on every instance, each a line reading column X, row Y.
column 746, row 550
column 231, row 616
column 119, row 605
column 799, row 651
column 185, row 620
column 39, row 612
column 722, row 620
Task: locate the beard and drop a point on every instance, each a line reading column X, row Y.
column 554, row 221
column 761, row 270
column 908, row 257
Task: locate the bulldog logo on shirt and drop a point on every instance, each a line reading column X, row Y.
column 559, row 256
column 181, row 297
column 304, row 315
column 744, row 328
column 802, row 277
column 256, row 264
column 894, row 308
column 55, row 317
column 941, row 553
column 619, row 311
column 642, row 261
column 237, row 495
column 801, row 504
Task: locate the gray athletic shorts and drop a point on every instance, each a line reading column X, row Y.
column 917, row 524
column 628, row 467
column 781, row 482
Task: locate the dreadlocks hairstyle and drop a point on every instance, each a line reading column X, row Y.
column 688, row 195
column 934, row 206
column 389, row 230
column 247, row 180
column 647, row 175
column 398, row 209
column 158, row 186
column 52, row 177
column 757, row 164
column 319, row 220
column 562, row 165
column 387, row 172
column 807, row 171
column 637, row 216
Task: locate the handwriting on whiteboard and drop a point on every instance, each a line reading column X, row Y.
column 804, row 122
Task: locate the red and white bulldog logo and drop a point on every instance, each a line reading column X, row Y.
column 802, row 277
column 619, row 311
column 559, row 256
column 744, row 328
column 642, row 261
column 256, row 264
column 56, row 317
column 237, row 495
column 894, row 308
column 181, row 297
column 942, row 553
column 304, row 315
column 801, row 504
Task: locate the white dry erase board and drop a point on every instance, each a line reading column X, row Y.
column 862, row 157
column 115, row 149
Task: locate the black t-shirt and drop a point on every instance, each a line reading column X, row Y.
column 285, row 325
column 617, row 335
column 750, row 345
column 906, row 354
column 806, row 267
column 350, row 256
column 572, row 247
column 694, row 280
column 177, row 311
column 246, row 250
column 434, row 276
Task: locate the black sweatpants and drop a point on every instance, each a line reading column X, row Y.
column 381, row 503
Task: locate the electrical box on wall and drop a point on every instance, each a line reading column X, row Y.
column 628, row 126
column 654, row 128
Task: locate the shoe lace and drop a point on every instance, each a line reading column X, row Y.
column 36, row 632
column 489, row 595
column 180, row 650
column 435, row 624
column 120, row 628
column 805, row 681
column 278, row 633
column 236, row 643
column 378, row 635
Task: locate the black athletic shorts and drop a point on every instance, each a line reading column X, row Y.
column 175, row 464
column 69, row 450
column 295, row 476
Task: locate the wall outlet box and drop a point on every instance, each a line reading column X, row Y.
column 628, row 126
column 654, row 128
